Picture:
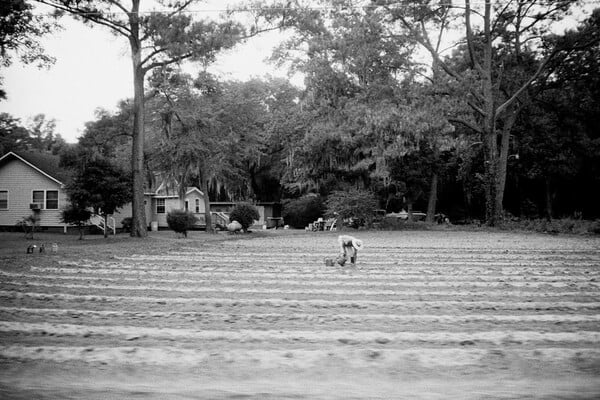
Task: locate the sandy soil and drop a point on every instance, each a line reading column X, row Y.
column 423, row 315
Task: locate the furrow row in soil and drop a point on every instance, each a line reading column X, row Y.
column 451, row 292
column 309, row 302
column 201, row 278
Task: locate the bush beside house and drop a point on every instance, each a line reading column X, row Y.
column 245, row 214
column 181, row 221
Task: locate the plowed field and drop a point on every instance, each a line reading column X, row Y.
column 437, row 315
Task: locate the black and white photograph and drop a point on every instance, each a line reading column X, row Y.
column 300, row 199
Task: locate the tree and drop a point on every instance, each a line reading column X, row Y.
column 42, row 135
column 109, row 135
column 558, row 137
column 412, row 172
column 13, row 136
column 352, row 105
column 76, row 215
column 20, row 30
column 356, row 204
column 298, row 213
column 219, row 136
column 100, row 185
column 156, row 40
column 509, row 30
column 187, row 145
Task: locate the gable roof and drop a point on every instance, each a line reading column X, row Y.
column 162, row 194
column 45, row 163
column 191, row 189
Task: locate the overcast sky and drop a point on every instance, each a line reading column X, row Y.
column 93, row 70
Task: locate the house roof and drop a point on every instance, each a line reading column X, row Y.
column 191, row 189
column 45, row 163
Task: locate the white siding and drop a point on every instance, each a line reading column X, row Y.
column 125, row 212
column 21, row 180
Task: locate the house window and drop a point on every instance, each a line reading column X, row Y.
column 197, row 205
column 187, row 206
column 47, row 198
column 38, row 197
column 52, row 200
column 160, row 206
column 3, row 199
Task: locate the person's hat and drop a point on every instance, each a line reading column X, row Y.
column 357, row 244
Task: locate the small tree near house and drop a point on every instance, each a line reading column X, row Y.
column 78, row 216
column 101, row 186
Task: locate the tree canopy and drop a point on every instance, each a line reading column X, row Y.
column 501, row 123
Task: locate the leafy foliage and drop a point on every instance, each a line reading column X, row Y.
column 245, row 214
column 497, row 119
column 100, row 185
column 357, row 204
column 298, row 213
column 38, row 135
column 157, row 40
column 29, row 224
column 77, row 216
column 20, row 31
column 126, row 224
column 181, row 221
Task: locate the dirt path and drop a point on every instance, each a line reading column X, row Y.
column 423, row 315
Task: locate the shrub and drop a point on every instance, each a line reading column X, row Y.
column 181, row 221
column 357, row 204
column 555, row 226
column 29, row 224
column 594, row 227
column 126, row 223
column 245, row 214
column 300, row 212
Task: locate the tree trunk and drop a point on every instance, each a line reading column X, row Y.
column 207, row 215
column 502, row 163
column 432, row 198
column 139, row 226
column 549, row 198
column 490, row 180
column 508, row 123
column 181, row 189
column 409, row 210
column 489, row 125
column 105, row 226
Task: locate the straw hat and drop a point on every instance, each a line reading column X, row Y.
column 357, row 244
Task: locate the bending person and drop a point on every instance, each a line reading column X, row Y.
column 349, row 247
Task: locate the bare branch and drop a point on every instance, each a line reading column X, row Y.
column 97, row 18
column 469, row 125
column 164, row 63
column 152, row 54
column 119, row 5
column 476, row 108
column 523, row 87
column 508, row 3
column 180, row 8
